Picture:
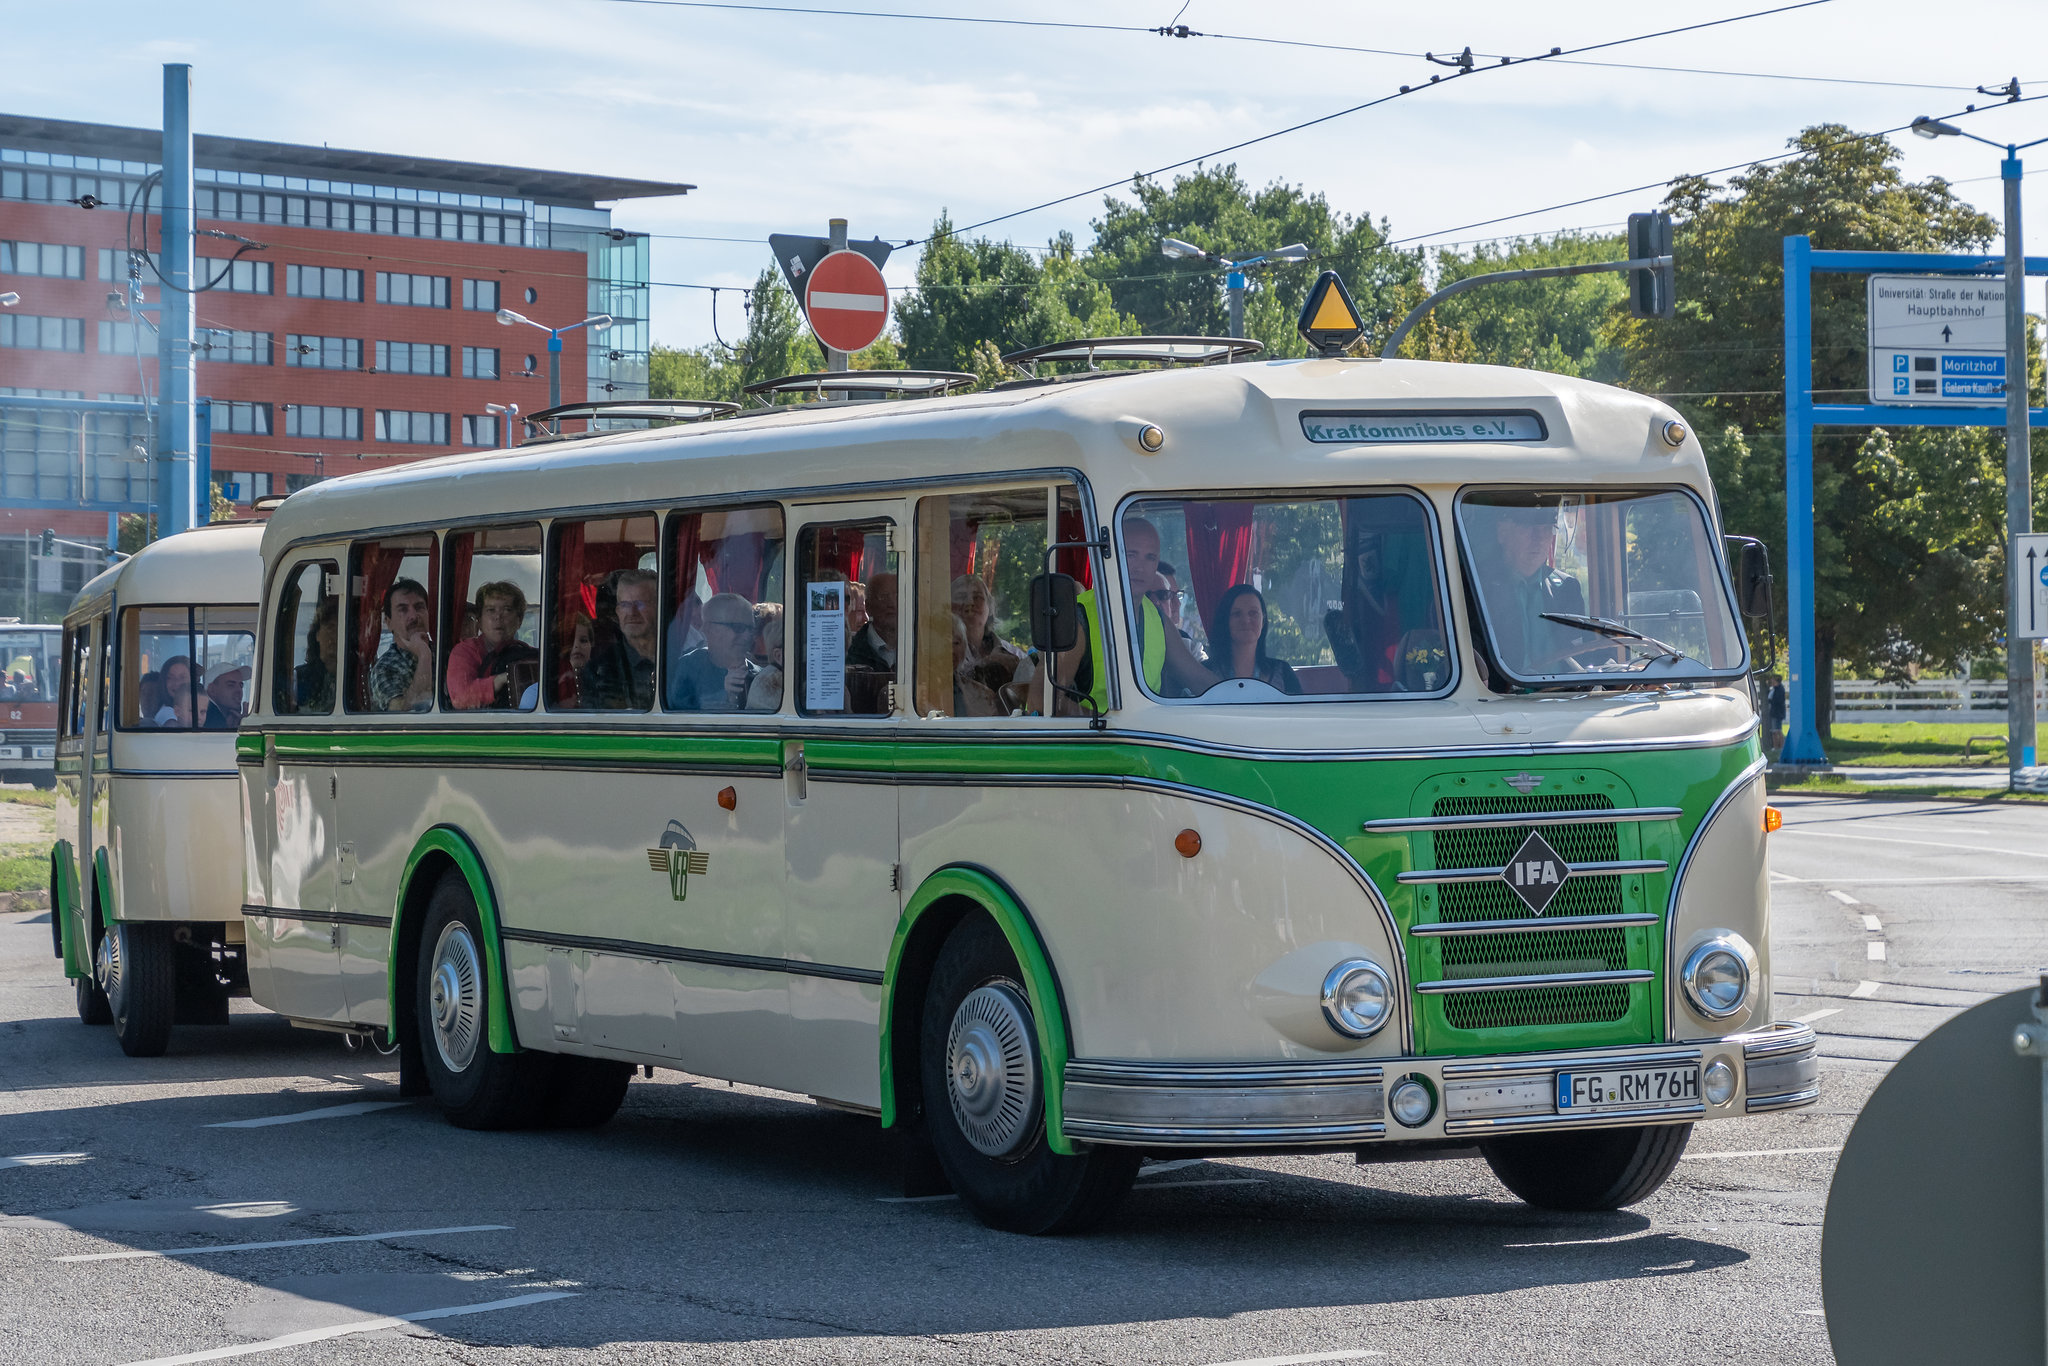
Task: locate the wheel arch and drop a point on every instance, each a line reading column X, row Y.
column 440, row 849
column 944, row 899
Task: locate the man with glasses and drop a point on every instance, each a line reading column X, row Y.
column 620, row 676
column 716, row 675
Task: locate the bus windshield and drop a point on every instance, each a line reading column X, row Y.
column 1274, row 599
column 25, row 674
column 186, row 668
column 1624, row 586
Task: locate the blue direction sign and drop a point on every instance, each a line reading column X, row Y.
column 1937, row 340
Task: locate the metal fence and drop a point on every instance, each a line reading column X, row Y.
column 1929, row 699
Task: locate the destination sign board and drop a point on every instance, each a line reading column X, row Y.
column 1937, row 340
column 1384, row 428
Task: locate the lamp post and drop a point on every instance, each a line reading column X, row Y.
column 1234, row 270
column 599, row 323
column 2019, row 513
column 507, row 411
column 9, row 299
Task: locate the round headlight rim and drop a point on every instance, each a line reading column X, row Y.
column 1421, row 1082
column 1734, row 945
column 1707, row 1079
column 1333, row 985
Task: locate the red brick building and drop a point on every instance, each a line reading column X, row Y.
column 359, row 328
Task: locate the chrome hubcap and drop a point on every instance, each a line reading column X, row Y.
column 106, row 966
column 455, row 997
column 991, row 1070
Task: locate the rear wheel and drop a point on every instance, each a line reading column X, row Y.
column 1593, row 1169
column 585, row 1092
column 138, row 974
column 476, row 1088
column 982, row 1073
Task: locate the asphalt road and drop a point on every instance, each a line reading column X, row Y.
column 713, row 1223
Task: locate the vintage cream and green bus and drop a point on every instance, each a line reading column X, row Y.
column 145, row 876
column 1382, row 777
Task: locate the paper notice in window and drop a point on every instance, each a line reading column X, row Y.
column 825, row 646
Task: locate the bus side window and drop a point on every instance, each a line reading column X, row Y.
column 491, row 656
column 70, row 714
column 105, row 626
column 847, row 631
column 308, row 642
column 723, row 605
column 976, row 556
column 603, row 615
column 390, row 648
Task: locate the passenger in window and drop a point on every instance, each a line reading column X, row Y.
column 972, row 696
column 873, row 650
column 992, row 661
column 764, row 693
column 225, row 688
column 180, row 697
column 401, row 679
column 856, row 605
column 1165, row 662
column 313, row 683
column 493, row 668
column 718, row 674
column 581, row 633
column 149, row 697
column 1237, row 637
column 620, row 675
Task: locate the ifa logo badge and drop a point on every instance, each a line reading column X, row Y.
column 1536, row 873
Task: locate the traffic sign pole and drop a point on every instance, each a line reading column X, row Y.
column 2019, row 481
column 837, row 360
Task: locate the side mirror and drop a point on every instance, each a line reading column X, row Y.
column 1752, row 577
column 1055, row 613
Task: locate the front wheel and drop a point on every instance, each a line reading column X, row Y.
column 1593, row 1169
column 476, row 1088
column 982, row 1073
column 137, row 972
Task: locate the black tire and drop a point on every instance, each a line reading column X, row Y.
column 585, row 1092
column 137, row 970
column 1026, row 1188
column 475, row 1087
column 1593, row 1169
column 92, row 1002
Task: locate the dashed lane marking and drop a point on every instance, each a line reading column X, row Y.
column 45, row 1160
column 282, row 1242
column 1760, row 1152
column 1871, row 923
column 1185, row 1185
column 1874, row 950
column 1864, row 990
column 1302, row 1360
column 343, row 1330
column 1931, row 844
column 361, row 1107
column 1843, row 897
column 1813, row 1016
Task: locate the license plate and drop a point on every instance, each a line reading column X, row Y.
column 46, row 751
column 1635, row 1088
column 10, row 752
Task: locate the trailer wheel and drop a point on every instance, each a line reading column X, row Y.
column 137, row 970
column 1592, row 1169
column 476, row 1088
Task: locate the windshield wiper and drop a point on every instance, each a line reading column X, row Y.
column 1616, row 629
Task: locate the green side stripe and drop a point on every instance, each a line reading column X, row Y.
column 64, row 904
column 313, row 747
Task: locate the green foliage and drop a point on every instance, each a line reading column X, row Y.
column 972, row 294
column 1560, row 325
column 220, row 508
column 778, row 342
column 136, row 530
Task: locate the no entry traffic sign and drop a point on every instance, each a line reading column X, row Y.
column 847, row 301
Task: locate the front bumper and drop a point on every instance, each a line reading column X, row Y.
column 1334, row 1104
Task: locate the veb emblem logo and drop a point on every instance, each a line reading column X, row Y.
column 678, row 856
column 1536, row 873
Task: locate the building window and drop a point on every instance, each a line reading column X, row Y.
column 417, row 429
column 245, row 487
column 237, row 277
column 49, row 259
column 323, row 353
column 480, row 431
column 326, row 424
column 480, row 296
column 123, row 339
column 251, row 418
column 532, row 295
column 237, row 348
column 411, row 358
column 26, row 332
column 418, row 291
column 323, row 282
column 479, row 362
column 114, row 264
column 530, row 360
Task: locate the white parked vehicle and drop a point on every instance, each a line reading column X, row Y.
column 1376, row 773
column 145, row 876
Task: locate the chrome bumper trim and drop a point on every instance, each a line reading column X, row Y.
column 1538, row 1063
column 1781, row 1068
column 1223, row 1104
column 1786, row 1036
column 1450, row 985
column 1758, row 1105
column 1515, row 822
column 1601, row 1119
column 1531, row 926
column 1235, row 1136
column 1616, row 868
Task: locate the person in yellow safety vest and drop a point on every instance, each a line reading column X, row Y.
column 1163, row 656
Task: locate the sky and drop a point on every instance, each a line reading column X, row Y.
column 784, row 120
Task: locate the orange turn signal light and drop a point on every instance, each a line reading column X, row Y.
column 1774, row 820
column 728, row 797
column 1188, row 842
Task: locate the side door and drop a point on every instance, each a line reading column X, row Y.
column 849, row 613
column 95, row 814
column 74, row 779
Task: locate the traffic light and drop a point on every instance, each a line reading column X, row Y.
column 1651, row 293
column 49, row 543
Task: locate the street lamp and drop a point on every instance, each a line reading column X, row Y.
column 9, row 299
column 1233, row 279
column 599, row 323
column 508, row 411
column 2019, row 479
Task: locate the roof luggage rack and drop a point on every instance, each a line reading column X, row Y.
column 847, row 384
column 1091, row 351
column 655, row 409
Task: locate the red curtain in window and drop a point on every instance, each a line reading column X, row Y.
column 1076, row 564
column 461, row 550
column 1219, row 550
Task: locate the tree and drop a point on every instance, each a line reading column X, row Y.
column 1563, row 325
column 1903, row 554
column 979, row 294
column 778, row 342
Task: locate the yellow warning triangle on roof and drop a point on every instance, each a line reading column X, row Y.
column 1329, row 320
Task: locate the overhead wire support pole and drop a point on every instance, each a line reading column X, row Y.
column 2019, row 517
column 1421, row 310
column 178, row 431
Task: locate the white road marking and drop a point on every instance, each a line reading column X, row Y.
column 1812, row 1015
column 1302, row 1360
column 1871, row 923
column 1162, row 1168
column 1864, row 991
column 342, row 1330
column 1183, row 1185
column 1931, row 844
column 1913, row 881
column 1844, row 897
column 249, row 1209
column 1760, row 1152
column 45, row 1159
column 914, row 1199
column 361, row 1107
column 1875, row 950
column 1777, row 876
column 282, row 1242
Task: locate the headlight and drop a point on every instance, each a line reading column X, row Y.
column 1412, row 1101
column 1720, row 1082
column 1718, row 974
column 1357, row 998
